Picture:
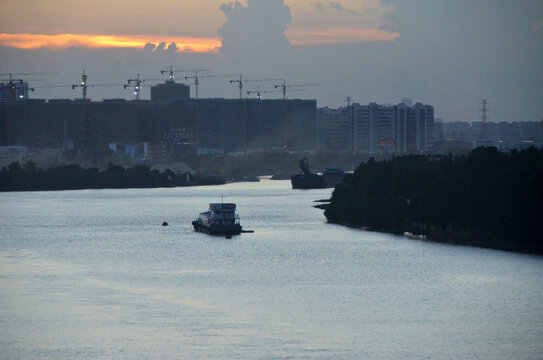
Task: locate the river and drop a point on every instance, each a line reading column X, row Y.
column 92, row 274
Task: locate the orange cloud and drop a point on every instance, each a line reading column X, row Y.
column 338, row 35
column 62, row 41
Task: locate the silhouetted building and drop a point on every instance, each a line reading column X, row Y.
column 169, row 91
column 182, row 126
column 375, row 128
column 335, row 129
column 12, row 91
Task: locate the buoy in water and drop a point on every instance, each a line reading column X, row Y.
column 164, row 223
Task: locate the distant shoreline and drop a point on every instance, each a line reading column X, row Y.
column 73, row 177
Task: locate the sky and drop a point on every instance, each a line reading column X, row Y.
column 449, row 54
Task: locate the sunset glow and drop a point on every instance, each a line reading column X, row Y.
column 62, row 41
column 339, row 35
column 192, row 44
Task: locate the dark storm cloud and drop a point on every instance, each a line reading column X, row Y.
column 255, row 28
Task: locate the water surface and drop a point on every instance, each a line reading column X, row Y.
column 93, row 274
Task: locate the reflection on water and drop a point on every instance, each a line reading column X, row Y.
column 93, row 274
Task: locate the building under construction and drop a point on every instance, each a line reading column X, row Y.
column 171, row 124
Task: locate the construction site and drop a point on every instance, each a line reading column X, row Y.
column 172, row 124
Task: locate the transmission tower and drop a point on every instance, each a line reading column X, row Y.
column 484, row 110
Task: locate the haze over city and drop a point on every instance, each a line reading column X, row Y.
column 448, row 54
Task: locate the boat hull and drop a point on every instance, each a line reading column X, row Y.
column 315, row 181
column 332, row 180
column 223, row 230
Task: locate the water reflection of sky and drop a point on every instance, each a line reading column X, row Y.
column 92, row 274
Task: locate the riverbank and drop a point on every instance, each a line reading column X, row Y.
column 486, row 199
column 73, row 177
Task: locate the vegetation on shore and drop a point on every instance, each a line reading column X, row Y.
column 73, row 177
column 486, row 198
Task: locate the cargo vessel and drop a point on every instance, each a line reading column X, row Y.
column 220, row 219
column 311, row 180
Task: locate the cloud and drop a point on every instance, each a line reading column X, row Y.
column 63, row 41
column 258, row 27
column 339, row 7
column 318, row 6
column 149, row 47
column 336, row 5
column 161, row 46
column 537, row 25
column 340, row 36
column 389, row 28
column 172, row 47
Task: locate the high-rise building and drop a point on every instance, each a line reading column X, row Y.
column 422, row 119
column 372, row 128
column 335, row 125
column 438, row 130
column 407, row 101
column 361, row 128
column 169, row 91
column 375, row 128
column 16, row 90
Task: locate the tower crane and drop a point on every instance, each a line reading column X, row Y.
column 12, row 83
column 241, row 81
column 197, row 81
column 137, row 84
column 83, row 85
column 171, row 72
column 284, row 87
column 259, row 92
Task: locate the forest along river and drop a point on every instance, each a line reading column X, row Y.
column 93, row 274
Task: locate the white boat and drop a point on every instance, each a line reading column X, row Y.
column 221, row 219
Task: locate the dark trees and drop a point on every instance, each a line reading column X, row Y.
column 486, row 198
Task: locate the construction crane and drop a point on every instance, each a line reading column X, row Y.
column 259, row 92
column 137, row 84
column 83, row 84
column 241, row 81
column 197, row 82
column 13, row 93
column 13, row 83
column 11, row 75
column 284, row 87
column 171, row 72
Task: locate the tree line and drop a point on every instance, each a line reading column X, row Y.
column 486, row 198
column 73, row 177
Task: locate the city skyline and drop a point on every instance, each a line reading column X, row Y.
column 449, row 55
